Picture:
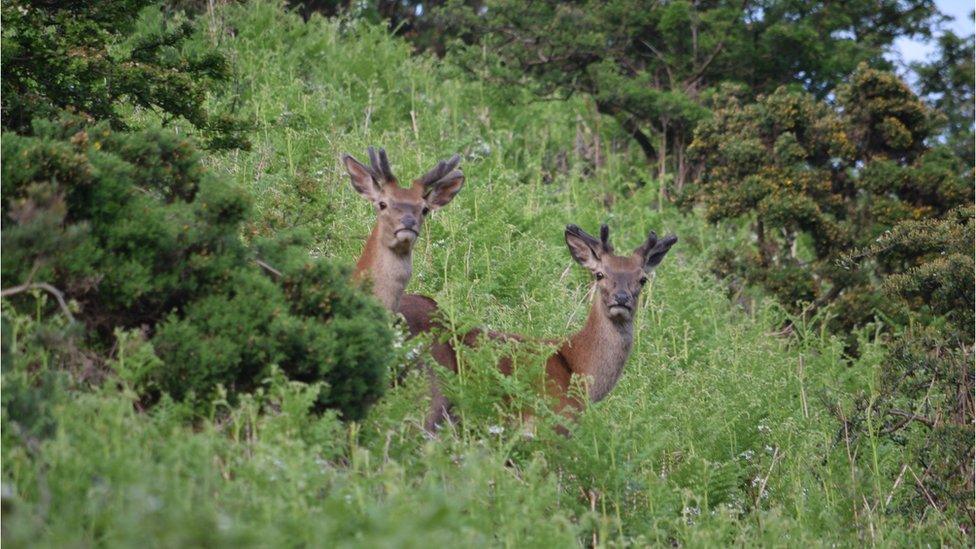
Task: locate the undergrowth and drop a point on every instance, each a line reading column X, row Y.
column 722, row 431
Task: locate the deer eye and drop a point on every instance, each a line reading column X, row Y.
column 382, row 205
column 643, row 280
column 600, row 276
column 425, row 211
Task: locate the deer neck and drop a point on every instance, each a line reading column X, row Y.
column 388, row 269
column 600, row 350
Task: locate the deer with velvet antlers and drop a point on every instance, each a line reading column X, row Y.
column 597, row 353
column 387, row 258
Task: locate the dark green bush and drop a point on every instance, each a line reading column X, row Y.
column 89, row 58
column 817, row 179
column 133, row 229
column 130, row 226
column 926, row 382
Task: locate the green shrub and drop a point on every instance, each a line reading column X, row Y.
column 817, row 180
column 101, row 60
column 924, row 398
column 133, row 229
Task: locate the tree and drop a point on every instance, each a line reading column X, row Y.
column 71, row 55
column 947, row 83
column 817, row 179
column 407, row 18
column 651, row 66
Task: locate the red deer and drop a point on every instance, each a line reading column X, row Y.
column 598, row 352
column 387, row 257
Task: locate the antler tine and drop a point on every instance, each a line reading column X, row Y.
column 374, row 161
column 379, row 165
column 442, row 169
column 605, row 238
column 652, row 238
column 385, row 165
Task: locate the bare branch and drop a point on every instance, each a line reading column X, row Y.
column 912, row 417
column 58, row 295
column 268, row 268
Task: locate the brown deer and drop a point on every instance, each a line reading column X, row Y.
column 387, row 257
column 598, row 352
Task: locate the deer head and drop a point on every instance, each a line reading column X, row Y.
column 619, row 278
column 400, row 211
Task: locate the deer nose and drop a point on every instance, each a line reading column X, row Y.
column 621, row 297
column 409, row 222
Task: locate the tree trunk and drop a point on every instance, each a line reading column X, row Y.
column 631, row 126
column 681, row 172
column 662, row 152
column 761, row 242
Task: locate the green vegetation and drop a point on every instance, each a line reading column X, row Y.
column 653, row 66
column 817, row 180
column 724, row 430
column 142, row 237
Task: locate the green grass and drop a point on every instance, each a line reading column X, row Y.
column 718, row 433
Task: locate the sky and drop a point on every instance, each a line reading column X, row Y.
column 907, row 50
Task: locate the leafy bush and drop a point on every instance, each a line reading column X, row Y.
column 90, row 59
column 817, row 180
column 853, row 211
column 924, row 399
column 133, row 229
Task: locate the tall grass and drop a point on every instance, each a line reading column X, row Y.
column 719, row 433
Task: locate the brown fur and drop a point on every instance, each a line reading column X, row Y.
column 387, row 257
column 598, row 352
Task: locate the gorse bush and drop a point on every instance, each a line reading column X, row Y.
column 854, row 210
column 140, row 236
column 926, row 384
column 817, row 180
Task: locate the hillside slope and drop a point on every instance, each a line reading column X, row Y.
column 719, row 432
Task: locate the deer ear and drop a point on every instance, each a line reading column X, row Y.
column 441, row 193
column 583, row 247
column 362, row 178
column 654, row 254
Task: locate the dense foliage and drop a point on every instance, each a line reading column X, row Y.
column 818, row 179
column 925, row 397
column 723, row 431
column 652, row 66
column 67, row 55
column 947, row 82
column 138, row 235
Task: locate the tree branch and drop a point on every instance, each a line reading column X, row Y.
column 910, row 416
column 58, row 295
column 631, row 127
column 268, row 268
column 721, row 45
